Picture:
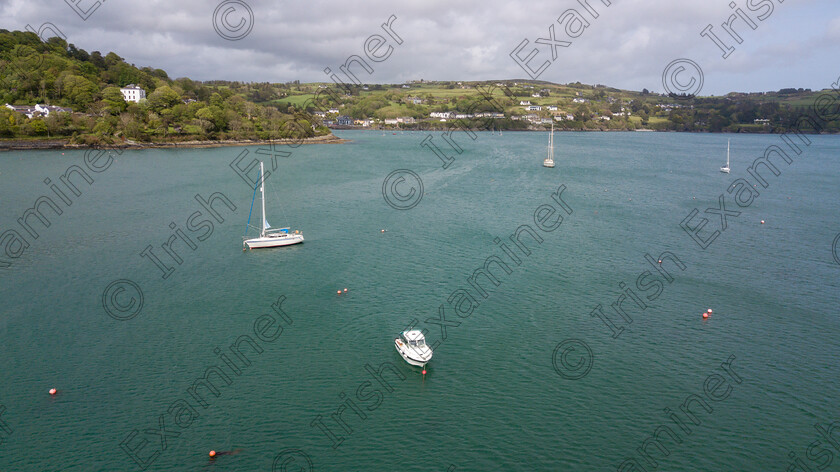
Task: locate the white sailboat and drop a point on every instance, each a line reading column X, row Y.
column 268, row 237
column 725, row 169
column 549, row 161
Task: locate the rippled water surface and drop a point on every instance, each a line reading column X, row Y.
column 493, row 397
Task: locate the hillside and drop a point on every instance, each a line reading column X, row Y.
column 183, row 110
column 535, row 104
column 59, row 74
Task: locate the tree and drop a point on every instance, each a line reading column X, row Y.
column 38, row 127
column 162, row 98
column 79, row 91
column 114, row 101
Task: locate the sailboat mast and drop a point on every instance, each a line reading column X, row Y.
column 262, row 201
column 727, row 153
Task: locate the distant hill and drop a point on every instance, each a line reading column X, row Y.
column 535, row 104
column 60, row 74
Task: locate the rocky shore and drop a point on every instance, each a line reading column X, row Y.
column 24, row 145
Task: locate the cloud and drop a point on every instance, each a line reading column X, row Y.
column 627, row 45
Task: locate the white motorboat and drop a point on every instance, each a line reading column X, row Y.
column 549, row 161
column 725, row 169
column 413, row 348
column 269, row 237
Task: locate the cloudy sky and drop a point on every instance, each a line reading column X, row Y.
column 628, row 45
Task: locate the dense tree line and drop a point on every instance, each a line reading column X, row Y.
column 57, row 73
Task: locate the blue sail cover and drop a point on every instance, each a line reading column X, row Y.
column 284, row 230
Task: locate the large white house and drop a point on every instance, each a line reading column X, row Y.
column 133, row 93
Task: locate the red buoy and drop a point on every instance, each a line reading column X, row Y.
column 338, row 292
column 424, row 371
column 212, row 453
column 705, row 315
column 345, row 290
column 53, row 391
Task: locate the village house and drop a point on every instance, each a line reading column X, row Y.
column 442, row 114
column 525, row 103
column 38, row 110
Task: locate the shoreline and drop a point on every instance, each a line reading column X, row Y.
column 34, row 145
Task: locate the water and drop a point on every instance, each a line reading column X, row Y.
column 492, row 399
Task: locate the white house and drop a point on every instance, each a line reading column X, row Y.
column 579, row 100
column 333, row 110
column 552, row 108
column 534, row 108
column 525, row 103
column 133, row 93
column 38, row 110
column 442, row 114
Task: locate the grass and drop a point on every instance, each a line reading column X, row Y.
column 296, row 100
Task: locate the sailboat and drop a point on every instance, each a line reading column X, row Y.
column 549, row 161
column 725, row 169
column 268, row 237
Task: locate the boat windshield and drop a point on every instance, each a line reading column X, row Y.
column 418, row 343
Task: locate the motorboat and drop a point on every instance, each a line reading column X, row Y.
column 413, row 348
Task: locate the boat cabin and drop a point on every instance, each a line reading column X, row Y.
column 413, row 339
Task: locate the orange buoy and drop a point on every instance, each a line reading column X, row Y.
column 338, row 292
column 53, row 391
column 705, row 315
column 660, row 261
column 212, row 453
column 762, row 221
column 345, row 290
column 382, row 231
column 709, row 311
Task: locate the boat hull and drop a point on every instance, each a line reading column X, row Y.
column 548, row 164
column 260, row 243
column 725, row 170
